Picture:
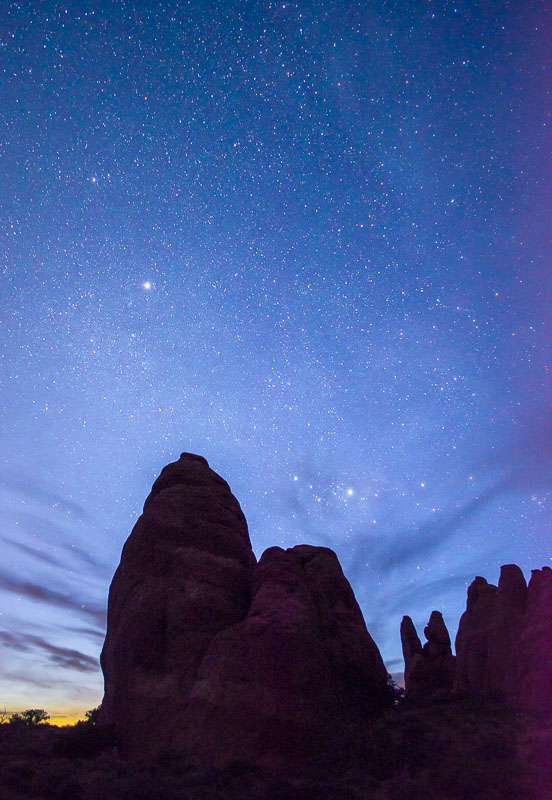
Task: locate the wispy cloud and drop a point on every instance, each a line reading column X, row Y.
column 421, row 596
column 394, row 662
column 60, row 656
column 30, row 487
column 30, row 679
column 34, row 552
column 35, row 591
column 408, row 546
column 93, row 633
column 51, row 535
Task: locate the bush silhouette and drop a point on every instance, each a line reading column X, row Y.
column 29, row 718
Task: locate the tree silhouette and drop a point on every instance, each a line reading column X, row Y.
column 29, row 718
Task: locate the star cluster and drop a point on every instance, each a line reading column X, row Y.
column 309, row 241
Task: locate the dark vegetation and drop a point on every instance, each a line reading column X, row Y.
column 447, row 751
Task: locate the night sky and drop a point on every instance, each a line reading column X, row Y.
column 309, row 241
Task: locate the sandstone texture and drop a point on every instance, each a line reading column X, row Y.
column 428, row 670
column 216, row 658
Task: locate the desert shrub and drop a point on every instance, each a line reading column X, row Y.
column 146, row 783
column 69, row 787
column 396, row 692
column 29, row 718
column 407, row 787
column 92, row 714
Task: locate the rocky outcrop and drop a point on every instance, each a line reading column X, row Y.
column 504, row 641
column 185, row 574
column 472, row 638
column 534, row 689
column 291, row 681
column 216, row 658
column 428, row 670
column 222, row 660
column 503, row 645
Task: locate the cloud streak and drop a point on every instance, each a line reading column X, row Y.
column 412, row 546
column 34, row 552
column 389, row 552
column 60, row 656
column 422, row 595
column 35, row 591
column 22, row 484
column 52, row 535
column 526, row 462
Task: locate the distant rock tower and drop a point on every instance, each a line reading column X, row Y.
column 428, row 670
column 503, row 645
column 215, row 657
column 504, row 641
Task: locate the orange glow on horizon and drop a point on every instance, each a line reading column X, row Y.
column 61, row 718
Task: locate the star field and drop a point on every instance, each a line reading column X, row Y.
column 310, row 242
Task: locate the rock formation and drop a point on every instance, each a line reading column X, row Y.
column 292, row 678
column 535, row 645
column 428, row 670
column 185, row 574
column 473, row 633
column 503, row 645
column 504, row 641
column 220, row 659
column 215, row 657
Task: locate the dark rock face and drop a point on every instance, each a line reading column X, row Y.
column 472, row 637
column 429, row 670
column 504, row 641
column 216, row 658
column 535, row 645
column 185, row 574
column 219, row 659
column 288, row 681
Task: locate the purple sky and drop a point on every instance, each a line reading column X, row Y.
column 309, row 241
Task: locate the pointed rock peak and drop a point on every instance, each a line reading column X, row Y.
column 408, row 627
column 428, row 670
column 192, row 506
column 307, row 553
column 193, row 457
column 190, row 470
column 436, row 630
column 512, row 588
column 217, row 658
column 410, row 640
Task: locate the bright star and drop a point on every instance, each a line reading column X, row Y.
column 350, row 492
column 146, row 285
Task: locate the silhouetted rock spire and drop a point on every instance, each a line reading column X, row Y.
column 504, row 641
column 428, row 670
column 215, row 657
column 185, row 574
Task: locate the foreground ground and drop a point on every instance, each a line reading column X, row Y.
column 451, row 751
